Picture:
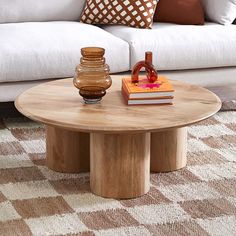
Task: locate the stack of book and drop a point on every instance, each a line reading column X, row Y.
column 144, row 92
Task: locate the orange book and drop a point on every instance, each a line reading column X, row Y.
column 125, row 92
column 143, row 90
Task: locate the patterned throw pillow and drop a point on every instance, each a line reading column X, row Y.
column 135, row 13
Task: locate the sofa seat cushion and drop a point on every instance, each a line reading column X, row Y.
column 34, row 51
column 177, row 47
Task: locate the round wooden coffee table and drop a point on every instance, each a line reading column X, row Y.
column 119, row 141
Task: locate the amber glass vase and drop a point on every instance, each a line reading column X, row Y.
column 92, row 75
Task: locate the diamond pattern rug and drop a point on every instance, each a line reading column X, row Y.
column 198, row 200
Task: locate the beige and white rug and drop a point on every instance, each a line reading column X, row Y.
column 198, row 200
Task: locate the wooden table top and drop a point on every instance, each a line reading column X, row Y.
column 59, row 104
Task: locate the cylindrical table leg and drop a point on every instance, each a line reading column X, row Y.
column 168, row 150
column 120, row 165
column 67, row 151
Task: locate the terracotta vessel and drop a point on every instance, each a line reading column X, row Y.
column 149, row 67
column 92, row 75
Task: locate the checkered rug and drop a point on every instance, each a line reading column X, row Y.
column 198, row 200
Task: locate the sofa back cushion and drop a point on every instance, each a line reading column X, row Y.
column 13, row 11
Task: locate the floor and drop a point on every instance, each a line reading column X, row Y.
column 8, row 109
column 197, row 200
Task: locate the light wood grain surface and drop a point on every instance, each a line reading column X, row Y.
column 58, row 103
column 120, row 165
column 168, row 150
column 67, row 151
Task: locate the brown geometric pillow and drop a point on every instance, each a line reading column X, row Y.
column 135, row 13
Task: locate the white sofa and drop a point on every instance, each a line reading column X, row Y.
column 41, row 40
